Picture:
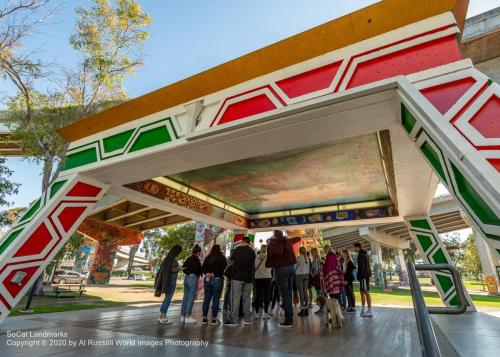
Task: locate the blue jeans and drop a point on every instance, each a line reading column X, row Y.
column 213, row 290
column 190, row 287
column 284, row 279
column 168, row 295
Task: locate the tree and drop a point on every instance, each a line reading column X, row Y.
column 7, row 187
column 10, row 216
column 108, row 39
column 151, row 247
column 182, row 235
column 454, row 246
column 470, row 263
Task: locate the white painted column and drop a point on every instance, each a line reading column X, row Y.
column 402, row 262
column 487, row 258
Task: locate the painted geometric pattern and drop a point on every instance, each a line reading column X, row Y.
column 160, row 132
column 464, row 147
column 414, row 54
column 431, row 248
column 45, row 227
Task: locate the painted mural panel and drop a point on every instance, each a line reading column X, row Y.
column 344, row 171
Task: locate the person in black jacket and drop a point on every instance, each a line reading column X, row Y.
column 348, row 267
column 242, row 270
column 213, row 267
column 166, row 280
column 363, row 276
column 192, row 271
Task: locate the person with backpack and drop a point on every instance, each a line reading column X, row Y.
column 263, row 277
column 213, row 268
column 166, row 279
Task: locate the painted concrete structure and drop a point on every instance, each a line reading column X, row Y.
column 391, row 74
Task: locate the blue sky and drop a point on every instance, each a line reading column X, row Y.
column 188, row 37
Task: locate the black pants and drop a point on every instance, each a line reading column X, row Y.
column 262, row 295
column 275, row 294
column 351, row 300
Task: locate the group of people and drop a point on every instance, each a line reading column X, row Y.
column 278, row 278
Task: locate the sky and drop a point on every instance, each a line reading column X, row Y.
column 187, row 37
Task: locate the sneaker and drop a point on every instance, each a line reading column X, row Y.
column 189, row 320
column 245, row 322
column 183, row 318
column 319, row 312
column 231, row 324
column 351, row 311
column 256, row 315
column 265, row 316
column 283, row 325
column 215, row 322
column 205, row 321
column 362, row 314
column 368, row 314
column 163, row 320
column 282, row 312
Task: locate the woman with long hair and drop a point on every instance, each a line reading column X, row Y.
column 333, row 276
column 262, row 278
column 213, row 267
column 192, row 272
column 316, row 269
column 166, row 279
column 302, row 281
column 348, row 268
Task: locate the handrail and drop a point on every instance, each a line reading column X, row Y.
column 457, row 282
column 428, row 342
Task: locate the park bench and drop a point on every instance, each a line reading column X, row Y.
column 62, row 288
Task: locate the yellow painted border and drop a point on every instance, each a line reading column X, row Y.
column 360, row 25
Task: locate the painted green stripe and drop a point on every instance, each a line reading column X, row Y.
column 425, row 242
column 420, row 223
column 454, row 301
column 117, row 141
column 151, row 138
column 433, row 158
column 439, row 258
column 9, row 239
column 407, row 119
column 173, row 127
column 56, row 187
column 475, row 202
column 80, row 158
column 31, row 211
column 445, row 282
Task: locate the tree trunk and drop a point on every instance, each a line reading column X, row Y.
column 131, row 256
column 47, row 171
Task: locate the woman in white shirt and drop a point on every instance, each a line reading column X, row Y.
column 302, row 280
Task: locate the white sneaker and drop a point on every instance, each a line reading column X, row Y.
column 247, row 322
column 183, row 318
column 189, row 320
column 163, row 320
column 368, row 314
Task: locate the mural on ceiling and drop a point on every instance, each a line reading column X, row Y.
column 344, row 171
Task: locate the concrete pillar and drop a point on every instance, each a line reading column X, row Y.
column 403, row 277
column 487, row 258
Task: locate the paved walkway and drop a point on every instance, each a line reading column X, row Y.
column 392, row 332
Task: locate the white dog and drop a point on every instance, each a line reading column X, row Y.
column 333, row 313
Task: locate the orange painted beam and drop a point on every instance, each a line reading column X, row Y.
column 360, row 25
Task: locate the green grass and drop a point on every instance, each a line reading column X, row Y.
column 48, row 304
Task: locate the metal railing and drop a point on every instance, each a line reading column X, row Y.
column 428, row 341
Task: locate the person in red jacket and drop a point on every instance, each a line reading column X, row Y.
column 281, row 257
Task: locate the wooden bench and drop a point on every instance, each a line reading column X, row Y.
column 62, row 288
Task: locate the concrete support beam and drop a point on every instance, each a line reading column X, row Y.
column 384, row 239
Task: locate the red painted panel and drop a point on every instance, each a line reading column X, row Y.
column 495, row 163
column 487, row 119
column 14, row 288
column 245, row 108
column 443, row 96
column 69, row 215
column 409, row 60
column 82, row 189
column 310, row 81
column 36, row 243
